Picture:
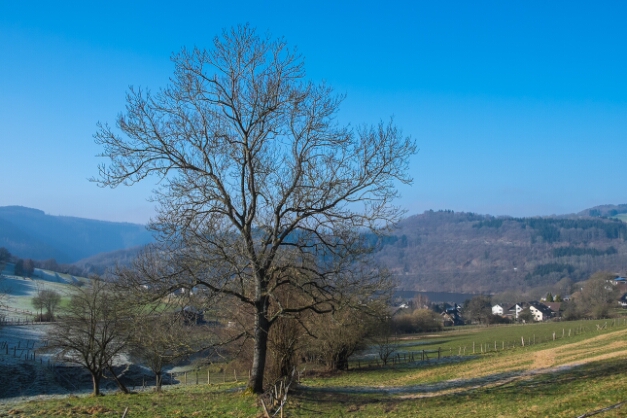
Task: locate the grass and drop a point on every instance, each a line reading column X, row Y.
column 186, row 401
column 21, row 290
column 562, row 378
column 564, row 394
column 621, row 216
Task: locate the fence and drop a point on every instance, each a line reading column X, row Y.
column 25, row 350
column 398, row 357
column 206, row 377
column 18, row 316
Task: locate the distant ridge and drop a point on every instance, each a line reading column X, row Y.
column 437, row 251
column 31, row 233
column 446, row 251
column 604, row 210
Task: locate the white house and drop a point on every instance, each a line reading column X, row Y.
column 514, row 310
column 498, row 310
column 540, row 311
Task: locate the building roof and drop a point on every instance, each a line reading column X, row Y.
column 542, row 308
column 554, row 306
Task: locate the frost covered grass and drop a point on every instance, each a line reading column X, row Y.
column 21, row 290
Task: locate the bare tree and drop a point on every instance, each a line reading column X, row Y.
column 340, row 335
column 261, row 188
column 159, row 339
column 91, row 331
column 385, row 339
column 46, row 299
column 598, row 296
column 478, row 309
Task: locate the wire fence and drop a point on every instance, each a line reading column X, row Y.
column 396, row 352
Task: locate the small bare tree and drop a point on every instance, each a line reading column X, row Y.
column 598, row 296
column 384, row 339
column 159, row 339
column 47, row 300
column 92, row 330
column 339, row 335
column 262, row 189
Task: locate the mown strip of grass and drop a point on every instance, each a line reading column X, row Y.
column 562, row 394
column 583, row 344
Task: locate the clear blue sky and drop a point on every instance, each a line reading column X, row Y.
column 518, row 107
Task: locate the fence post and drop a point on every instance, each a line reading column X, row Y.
column 438, row 353
column 208, row 377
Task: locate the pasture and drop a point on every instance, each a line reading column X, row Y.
column 621, row 216
column 21, row 290
column 563, row 377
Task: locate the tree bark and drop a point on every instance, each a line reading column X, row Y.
column 262, row 326
column 159, row 379
column 340, row 362
column 118, row 382
column 95, row 378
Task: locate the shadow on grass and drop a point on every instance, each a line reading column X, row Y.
column 521, row 386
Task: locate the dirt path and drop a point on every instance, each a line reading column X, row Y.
column 502, row 371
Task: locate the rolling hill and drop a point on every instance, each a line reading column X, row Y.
column 30, row 233
column 466, row 252
column 437, row 251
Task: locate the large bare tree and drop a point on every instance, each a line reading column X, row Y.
column 261, row 188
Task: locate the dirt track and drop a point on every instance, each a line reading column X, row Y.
column 548, row 361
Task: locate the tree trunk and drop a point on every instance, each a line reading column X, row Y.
column 159, row 379
column 118, row 382
column 95, row 379
column 340, row 360
column 262, row 326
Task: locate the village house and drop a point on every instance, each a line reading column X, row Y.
column 498, row 310
column 452, row 316
column 540, row 311
column 514, row 310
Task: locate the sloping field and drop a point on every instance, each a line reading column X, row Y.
column 621, row 216
column 21, row 290
column 565, row 377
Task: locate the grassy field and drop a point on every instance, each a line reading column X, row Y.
column 621, row 216
column 565, row 377
column 21, row 290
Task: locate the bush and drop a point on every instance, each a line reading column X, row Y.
column 421, row 320
column 45, row 317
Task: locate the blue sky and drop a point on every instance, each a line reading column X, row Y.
column 518, row 107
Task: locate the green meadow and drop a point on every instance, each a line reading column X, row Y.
column 621, row 216
column 563, row 377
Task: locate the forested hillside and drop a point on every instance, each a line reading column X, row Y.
column 30, row 233
column 438, row 251
column 466, row 252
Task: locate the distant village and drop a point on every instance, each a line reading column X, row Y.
column 480, row 310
